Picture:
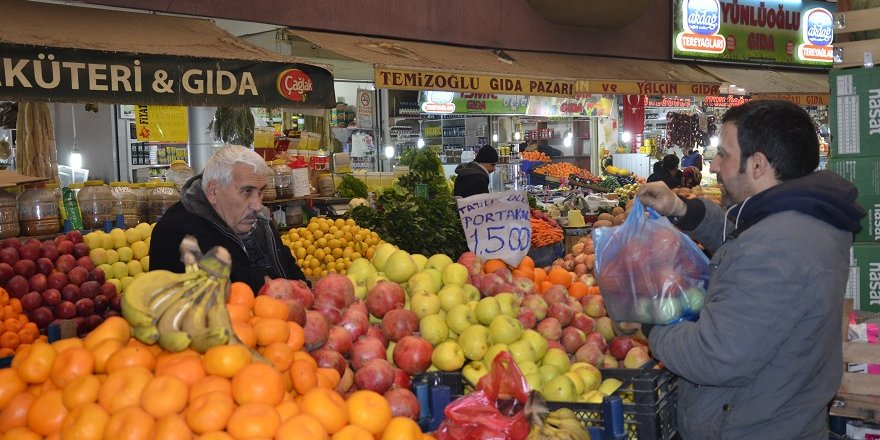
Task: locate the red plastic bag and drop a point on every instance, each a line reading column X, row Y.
column 494, row 410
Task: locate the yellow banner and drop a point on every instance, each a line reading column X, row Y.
column 801, row 100
column 647, row 88
column 462, row 82
column 161, row 123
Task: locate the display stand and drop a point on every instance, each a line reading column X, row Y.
column 859, row 393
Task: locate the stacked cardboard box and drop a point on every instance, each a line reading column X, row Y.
column 855, row 155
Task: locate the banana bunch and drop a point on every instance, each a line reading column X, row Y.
column 183, row 310
column 561, row 424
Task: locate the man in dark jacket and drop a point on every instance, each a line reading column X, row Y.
column 224, row 207
column 473, row 177
column 765, row 357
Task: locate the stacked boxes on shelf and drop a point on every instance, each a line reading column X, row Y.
column 855, row 155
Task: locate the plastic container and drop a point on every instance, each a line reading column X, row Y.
column 38, row 210
column 76, row 188
column 283, row 178
column 9, row 226
column 269, row 193
column 179, row 173
column 160, row 199
column 300, row 178
column 97, row 204
column 140, row 191
column 126, row 203
column 325, row 185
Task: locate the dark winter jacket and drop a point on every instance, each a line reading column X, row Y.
column 254, row 256
column 764, row 359
column 472, row 179
column 665, row 177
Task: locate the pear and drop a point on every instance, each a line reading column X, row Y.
column 399, row 267
column 381, row 255
column 420, row 260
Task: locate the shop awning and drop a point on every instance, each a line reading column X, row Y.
column 408, row 65
column 68, row 53
column 800, row 87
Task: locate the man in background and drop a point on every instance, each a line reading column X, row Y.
column 473, row 177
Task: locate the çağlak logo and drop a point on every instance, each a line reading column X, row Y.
column 701, row 21
column 818, row 33
column 294, row 85
column 702, row 17
column 819, row 29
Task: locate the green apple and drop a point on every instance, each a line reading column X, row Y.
column 460, row 317
column 522, row 351
column 117, row 236
column 434, row 329
column 578, row 382
column 106, row 241
column 437, row 277
column 399, row 267
column 373, row 279
column 132, row 235
column 474, row 340
column 359, row 269
column 539, row 343
column 145, row 263
column 456, row 274
column 560, row 389
column 125, row 282
column 590, row 375
column 134, row 267
column 116, row 283
column 93, row 239
column 694, row 297
column 493, row 351
column 98, row 256
column 487, row 309
column 120, row 270
column 139, row 250
column 112, row 256
column 424, row 304
column 420, row 260
column 548, row 372
column 470, row 292
column 439, row 261
column 473, row 371
column 527, row 367
column 534, row 380
column 381, row 254
column 505, row 329
column 509, row 304
column 360, row 292
column 107, row 269
column 423, row 282
column 558, row 358
column 145, row 229
column 450, row 296
column 667, row 310
column 448, row 356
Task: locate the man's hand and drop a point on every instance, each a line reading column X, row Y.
column 658, row 196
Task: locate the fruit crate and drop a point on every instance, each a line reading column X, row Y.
column 859, row 393
column 648, row 415
column 435, row 390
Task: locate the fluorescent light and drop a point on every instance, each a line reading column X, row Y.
column 517, row 135
column 626, row 137
column 566, row 142
column 420, row 143
column 389, row 152
column 569, row 135
column 713, row 141
column 495, row 137
column 76, row 160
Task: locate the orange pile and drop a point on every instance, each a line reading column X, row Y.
column 109, row 385
column 536, row 156
column 15, row 329
column 560, row 169
column 544, row 279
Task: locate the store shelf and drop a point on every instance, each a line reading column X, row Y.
column 137, row 167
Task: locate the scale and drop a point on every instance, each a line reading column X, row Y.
column 338, row 210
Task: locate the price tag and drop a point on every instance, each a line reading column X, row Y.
column 497, row 225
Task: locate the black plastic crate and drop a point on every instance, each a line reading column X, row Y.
column 435, row 391
column 649, row 414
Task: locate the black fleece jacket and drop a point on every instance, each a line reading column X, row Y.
column 193, row 215
column 471, row 179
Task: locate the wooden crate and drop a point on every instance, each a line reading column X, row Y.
column 859, row 394
column 847, row 22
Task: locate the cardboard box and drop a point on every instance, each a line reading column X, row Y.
column 11, row 178
column 855, row 112
column 864, row 172
column 863, row 285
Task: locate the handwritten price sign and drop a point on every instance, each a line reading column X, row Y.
column 497, row 225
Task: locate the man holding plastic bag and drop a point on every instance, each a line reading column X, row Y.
column 764, row 358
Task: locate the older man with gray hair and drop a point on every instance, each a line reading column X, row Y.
column 224, row 207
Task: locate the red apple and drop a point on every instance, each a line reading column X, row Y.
column 45, row 266
column 619, row 346
column 550, row 329
column 29, row 252
column 82, row 326
column 335, row 283
column 42, row 317
column 71, row 292
column 583, row 322
column 377, row 375
column 75, row 236
column 472, row 262
column 65, row 310
column 65, row 263
column 354, row 322
column 327, row 358
column 51, row 297
column 385, row 296
column 412, row 354
column 77, row 275
column 89, row 289
column 93, row 321
column 491, row 284
column 56, row 280
column 339, row 340
column 31, row 301
column 572, row 339
column 101, row 303
column 18, row 286
column 574, row 305
column 65, row 247
column 366, row 349
column 11, row 242
column 9, row 255
column 37, row 282
column 594, row 305
column 556, row 294
column 403, row 403
column 85, row 307
column 317, row 330
column 596, row 338
column 97, row 275
column 562, row 312
column 398, row 323
column 6, row 272
column 49, row 250
column 590, row 354
column 25, row 268
column 85, row 262
column 527, row 317
column 80, row 250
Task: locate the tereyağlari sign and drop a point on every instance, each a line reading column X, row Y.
column 59, row 74
column 752, row 31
